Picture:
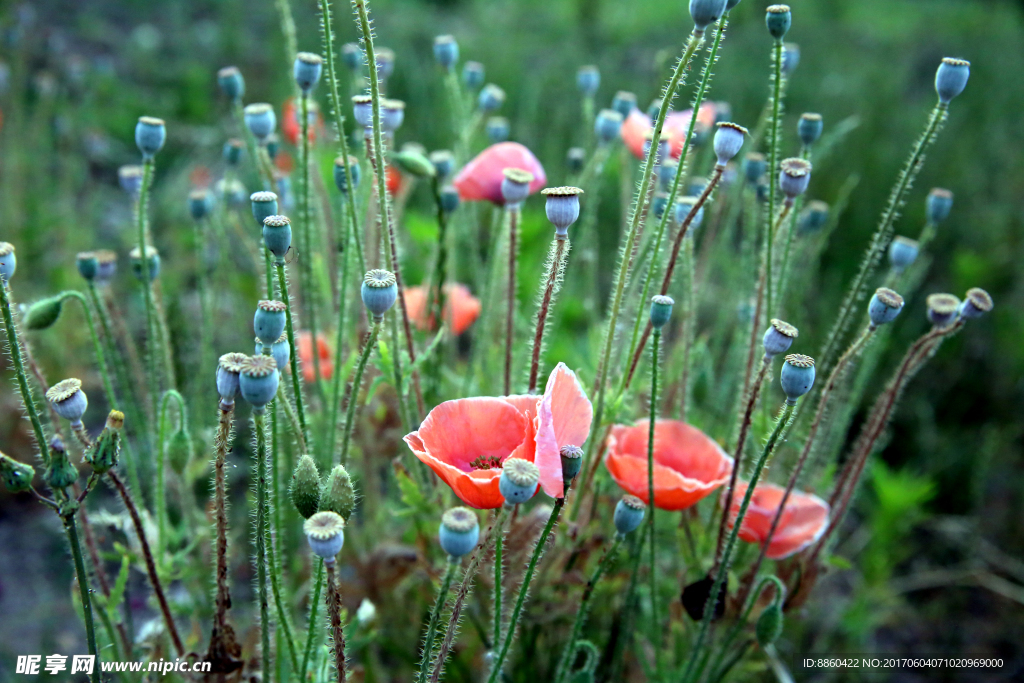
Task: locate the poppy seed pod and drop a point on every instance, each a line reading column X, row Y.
column 943, row 309
column 515, row 186
column 379, row 291
column 769, row 625
column 258, row 381
column 809, row 128
column 728, row 140
column 325, row 532
column 797, row 376
column 106, row 265
column 228, row 369
column 778, row 19
column 198, row 204
column 260, row 120
column 790, row 58
column 443, row 161
column 231, row 190
column 307, row 71
column 459, row 531
column 658, row 204
column 264, row 204
column 884, row 306
column 571, row 458
column 661, row 310
column 68, row 400
column 281, row 350
column 575, row 159
column 85, row 262
column 519, row 480
column 43, row 313
column 497, row 129
column 813, row 217
column 269, row 320
column 491, row 98
column 130, row 179
column 446, row 51
column 150, row 135
column 340, row 178
column 17, row 476
column 588, row 80
column 667, row 174
column 305, row 487
column 976, row 303
column 473, row 75
column 232, row 152
column 59, row 473
column 392, row 114
column 352, row 56
column 683, row 208
column 273, row 146
column 902, row 253
column 794, row 177
column 607, row 125
column 385, row 58
column 152, row 269
column 277, row 236
column 624, row 102
column 938, row 205
column 754, row 166
column 414, row 163
column 106, row 450
column 449, row 198
column 562, row 208
column 338, row 495
column 629, row 514
column 8, row 261
column 778, row 338
column 231, row 82
column 662, row 154
column 951, row 78
column 705, row 12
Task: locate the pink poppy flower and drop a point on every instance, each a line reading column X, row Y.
column 803, row 521
column 481, row 178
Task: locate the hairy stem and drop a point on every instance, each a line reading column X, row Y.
column 71, row 529
column 510, row 312
column 260, row 523
column 435, row 616
column 353, row 394
column 556, row 267
column 334, row 614
column 773, row 163
column 300, row 403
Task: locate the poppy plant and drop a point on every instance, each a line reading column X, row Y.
column 466, row 441
column 481, row 178
column 305, row 345
column 802, row 523
column 638, row 124
column 461, row 309
column 688, row 465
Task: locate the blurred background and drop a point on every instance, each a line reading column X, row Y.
column 937, row 546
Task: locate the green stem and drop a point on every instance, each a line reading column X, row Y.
column 161, row 459
column 153, row 381
column 309, row 293
column 261, row 539
column 14, row 348
column 652, row 421
column 773, row 160
column 435, row 617
column 556, row 267
column 334, row 614
column 83, row 590
column 282, row 613
column 357, row 380
column 339, row 339
column 499, row 567
column 510, row 312
column 300, row 405
column 284, row 11
column 312, row 628
column 737, row 628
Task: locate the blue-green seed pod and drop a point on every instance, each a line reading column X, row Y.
column 683, row 208
column 943, row 309
column 379, row 292
column 8, row 261
column 199, row 204
column 778, row 338
column 884, row 306
column 938, row 205
column 667, row 175
column 232, row 152
column 754, row 166
column 629, row 514
column 414, row 163
column 624, row 102
column 264, row 205
column 761, row 192
column 385, row 57
column 277, row 236
column 607, row 125
column 976, row 304
column 491, row 98
column 16, row 476
column 130, row 179
column 497, row 129
column 902, row 253
column 515, row 186
column 229, row 367
column 459, row 531
column 769, row 625
column 588, row 80
column 392, row 114
column 42, row 314
column 106, row 450
column 258, row 381
column 575, row 159
column 790, row 58
column 706, row 12
column 444, row 163
column 152, row 269
column 305, row 487
column 106, row 262
column 325, row 532
column 951, row 78
column 473, row 75
column 562, row 207
column 231, row 82
column 661, row 310
column 340, row 179
column 519, row 481
column 809, row 128
column 150, row 135
column 270, row 320
column 232, row 191
column 446, row 51
column 794, row 177
column 352, row 55
column 338, row 494
column 362, row 110
column 571, row 458
column 797, row 376
column 85, row 262
column 813, row 218
column 59, row 473
column 280, row 350
column 273, row 146
column 449, row 199
column 728, row 140
column 260, row 120
column 778, row 19
column 659, row 202
column 68, row 400
column 307, row 71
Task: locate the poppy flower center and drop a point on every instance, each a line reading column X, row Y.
column 485, row 462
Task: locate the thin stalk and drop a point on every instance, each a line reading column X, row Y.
column 334, row 613
column 407, row 328
column 14, row 348
column 222, row 642
column 161, row 466
column 773, row 161
column 805, row 153
column 556, row 268
column 260, row 428
column 339, row 339
column 435, row 617
column 652, row 421
column 205, row 332
column 510, row 313
column 284, row 12
column 309, row 293
column 353, row 394
column 300, row 404
column 742, row 621
column 276, row 589
column 153, row 382
column 312, row 629
column 689, row 323
column 71, row 529
column 499, row 570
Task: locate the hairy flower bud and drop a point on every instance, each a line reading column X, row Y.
column 305, row 487
column 16, row 476
column 105, row 451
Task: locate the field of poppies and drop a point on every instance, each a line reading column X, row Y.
column 383, row 341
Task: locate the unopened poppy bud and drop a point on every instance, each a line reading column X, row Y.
column 414, row 163
column 385, row 58
column 778, row 19
column 938, row 205
column 683, row 208
column 325, row 532
column 659, row 202
column 607, row 125
column 352, row 56
column 305, row 487
column 728, row 140
column 130, row 179
column 85, row 262
column 797, row 376
column 379, row 291
column 17, row 476
column 497, row 129
column 515, row 186
column 769, row 625
column 444, row 163
column 778, row 338
column 519, row 480
column 229, row 368
column 902, row 253
column 446, row 51
column 449, row 198
column 976, row 303
column 179, row 451
column 260, row 120
column 588, row 80
column 277, row 236
column 809, row 128
column 8, row 261
column 661, row 310
column 338, row 494
column 264, row 204
column 575, row 159
column 794, row 177
column 269, row 320
column 258, row 381
column 951, row 78
column 231, row 82
column 943, row 309
column 232, row 152
column 59, row 473
column 562, row 208
column 307, row 71
column 459, row 531
column 884, row 306
column 629, row 513
column 341, row 180
column 813, row 218
column 790, row 58
column 43, row 313
column 491, row 98
column 198, row 204
column 624, row 102
column 473, row 75
column 392, row 114
column 150, row 135
column 705, row 12
column 572, row 461
column 754, row 166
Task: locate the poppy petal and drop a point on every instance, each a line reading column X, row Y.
column 461, row 431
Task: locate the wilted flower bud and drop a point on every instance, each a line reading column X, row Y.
column 705, row 12
column 884, row 306
column 277, row 236
column 575, row 159
column 624, row 102
column 976, row 304
column 446, row 51
column 352, row 56
column 228, row 369
column 17, row 476
column 790, row 58
column 150, row 135
column 497, row 129
column 629, row 513
column 571, row 458
column 519, row 480
column 305, row 487
column 270, row 320
column 59, row 473
column 473, row 75
column 797, row 376
column 449, row 198
column 459, row 531
column 260, row 120
column 607, row 125
column 354, row 172
column 943, row 309
column 491, row 98
column 198, row 204
column 809, row 128
column 754, row 166
column 778, row 18
column 902, row 252
column 338, row 494
column 515, row 186
column 778, row 338
column 43, row 313
column 562, row 208
column 392, row 114
column 938, row 205
column 105, row 451
column 232, row 151
column 325, row 532
column 588, row 80
column 728, row 140
column 794, row 177
column 661, row 310
column 307, row 71
column 379, row 292
column 258, row 381
column 231, row 82
column 951, row 78
column 813, row 218
column 414, row 163
column 8, row 261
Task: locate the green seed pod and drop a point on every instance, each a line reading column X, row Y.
column 87, row 265
column 414, row 163
column 17, row 476
column 179, row 451
column 105, row 450
column 338, row 494
column 60, row 473
column 769, row 625
column 305, row 487
column 43, row 313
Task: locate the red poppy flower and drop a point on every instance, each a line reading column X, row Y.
column 461, row 309
column 305, row 345
column 393, row 178
column 290, row 122
column 688, row 465
column 802, row 523
column 638, row 124
column 466, row 441
column 481, row 178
